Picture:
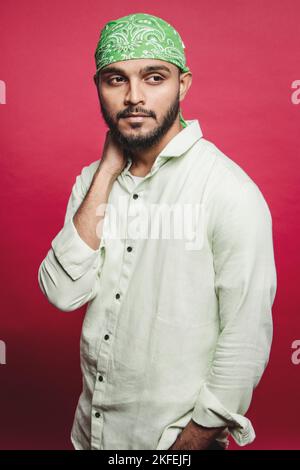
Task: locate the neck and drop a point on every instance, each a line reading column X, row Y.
column 142, row 160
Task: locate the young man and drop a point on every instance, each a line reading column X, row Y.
column 178, row 327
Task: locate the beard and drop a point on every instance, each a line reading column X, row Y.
column 146, row 141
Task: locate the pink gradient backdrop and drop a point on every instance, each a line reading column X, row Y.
column 244, row 55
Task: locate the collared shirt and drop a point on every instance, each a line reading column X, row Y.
column 137, row 179
column 178, row 326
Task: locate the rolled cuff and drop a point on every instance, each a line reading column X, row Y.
column 209, row 412
column 73, row 253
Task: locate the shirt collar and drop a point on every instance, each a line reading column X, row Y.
column 179, row 144
column 182, row 141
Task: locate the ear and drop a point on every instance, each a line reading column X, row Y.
column 185, row 83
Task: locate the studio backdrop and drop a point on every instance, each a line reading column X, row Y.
column 244, row 57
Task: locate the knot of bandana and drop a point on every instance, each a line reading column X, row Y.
column 140, row 36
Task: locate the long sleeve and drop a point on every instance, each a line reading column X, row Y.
column 245, row 284
column 69, row 274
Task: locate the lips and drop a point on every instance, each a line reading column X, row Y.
column 136, row 115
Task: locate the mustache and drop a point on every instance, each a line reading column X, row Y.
column 127, row 112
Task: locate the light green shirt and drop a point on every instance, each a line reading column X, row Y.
column 175, row 328
column 137, row 179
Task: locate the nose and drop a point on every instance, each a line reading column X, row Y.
column 134, row 94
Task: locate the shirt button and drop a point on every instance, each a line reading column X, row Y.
column 97, row 414
column 100, row 378
column 117, row 296
column 106, row 336
column 135, row 196
column 129, row 248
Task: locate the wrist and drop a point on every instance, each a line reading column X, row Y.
column 109, row 170
column 106, row 176
column 204, row 431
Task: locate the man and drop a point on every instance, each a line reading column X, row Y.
column 178, row 326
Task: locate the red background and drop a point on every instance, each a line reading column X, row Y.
column 244, row 56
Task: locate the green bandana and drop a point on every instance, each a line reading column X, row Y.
column 140, row 36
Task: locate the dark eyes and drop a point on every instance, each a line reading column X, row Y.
column 110, row 81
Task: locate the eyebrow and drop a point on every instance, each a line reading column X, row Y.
column 149, row 68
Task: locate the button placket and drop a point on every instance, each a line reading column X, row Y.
column 106, row 344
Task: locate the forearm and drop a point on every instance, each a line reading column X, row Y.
column 87, row 221
column 196, row 437
column 206, row 435
column 68, row 276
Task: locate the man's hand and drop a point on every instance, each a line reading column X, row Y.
column 89, row 218
column 195, row 437
column 113, row 159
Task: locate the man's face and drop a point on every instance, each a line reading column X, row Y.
column 146, row 86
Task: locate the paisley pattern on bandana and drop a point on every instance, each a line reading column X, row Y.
column 140, row 36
